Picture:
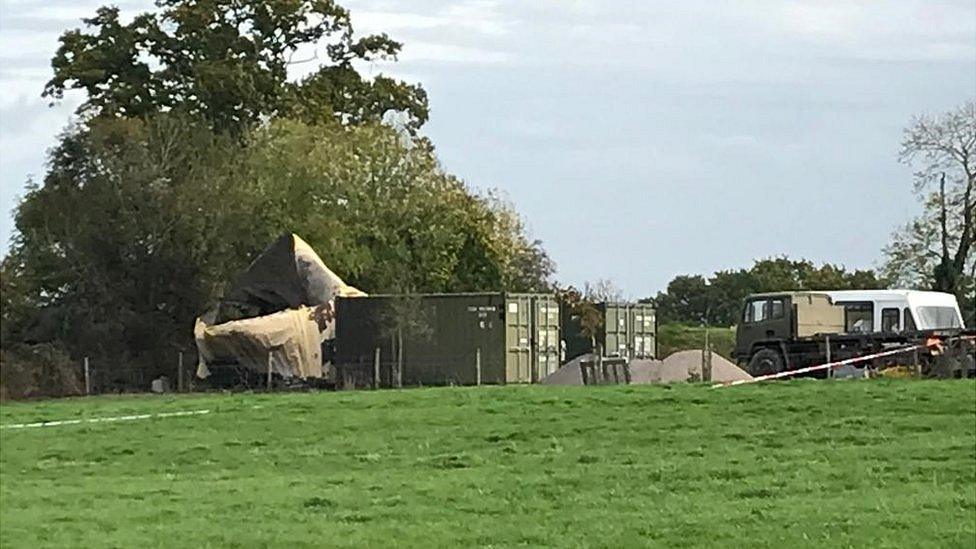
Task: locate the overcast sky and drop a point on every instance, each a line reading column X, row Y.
column 639, row 139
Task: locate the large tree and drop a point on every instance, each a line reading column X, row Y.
column 938, row 248
column 194, row 150
column 139, row 224
column 227, row 61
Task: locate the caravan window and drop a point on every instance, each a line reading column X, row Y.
column 909, row 320
column 938, row 317
column 858, row 318
column 889, row 319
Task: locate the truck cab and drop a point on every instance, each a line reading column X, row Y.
column 766, row 319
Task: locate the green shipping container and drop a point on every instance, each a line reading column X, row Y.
column 629, row 330
column 444, row 338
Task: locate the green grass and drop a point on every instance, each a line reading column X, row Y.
column 804, row 463
column 674, row 337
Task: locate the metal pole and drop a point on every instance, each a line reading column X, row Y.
column 376, row 368
column 918, row 366
column 477, row 366
column 830, row 371
column 87, row 378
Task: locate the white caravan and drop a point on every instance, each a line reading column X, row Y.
column 896, row 310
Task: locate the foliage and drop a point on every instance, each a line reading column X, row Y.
column 717, row 300
column 673, row 337
column 140, row 224
column 43, row 369
column 405, row 315
column 880, row 463
column 383, row 214
column 582, row 307
column 937, row 249
column 227, row 61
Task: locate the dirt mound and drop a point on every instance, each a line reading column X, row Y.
column 684, row 366
column 645, row 371
column 680, row 366
column 568, row 374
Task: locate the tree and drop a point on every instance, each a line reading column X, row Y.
column 140, row 223
column 717, row 300
column 227, row 61
column 937, row 248
column 602, row 289
column 685, row 300
column 577, row 306
column 385, row 215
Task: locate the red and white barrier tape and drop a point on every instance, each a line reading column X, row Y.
column 830, row 365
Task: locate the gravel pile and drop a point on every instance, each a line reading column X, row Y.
column 679, row 367
column 568, row 374
column 683, row 366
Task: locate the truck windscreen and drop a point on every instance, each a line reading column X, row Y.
column 930, row 318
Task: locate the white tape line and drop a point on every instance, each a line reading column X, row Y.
column 826, row 366
column 102, row 419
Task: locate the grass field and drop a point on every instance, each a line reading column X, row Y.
column 804, row 463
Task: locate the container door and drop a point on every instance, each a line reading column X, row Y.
column 616, row 326
column 518, row 340
column 546, row 326
column 642, row 340
column 650, row 333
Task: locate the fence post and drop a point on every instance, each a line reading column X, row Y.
column 918, row 365
column 269, row 370
column 376, row 368
column 399, row 382
column 477, row 366
column 87, row 377
column 179, row 374
column 707, row 358
column 601, row 373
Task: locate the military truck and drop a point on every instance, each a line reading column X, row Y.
column 791, row 330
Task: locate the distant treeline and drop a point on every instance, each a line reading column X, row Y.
column 717, row 300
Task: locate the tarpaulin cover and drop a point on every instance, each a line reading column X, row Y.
column 290, row 338
column 280, row 306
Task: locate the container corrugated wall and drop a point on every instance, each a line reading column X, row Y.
column 514, row 337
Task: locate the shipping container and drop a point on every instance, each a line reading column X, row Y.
column 627, row 330
column 443, row 339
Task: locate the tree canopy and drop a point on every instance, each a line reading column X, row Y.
column 717, row 300
column 227, row 61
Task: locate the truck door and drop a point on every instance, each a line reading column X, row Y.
column 764, row 318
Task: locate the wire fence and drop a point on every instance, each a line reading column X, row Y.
column 103, row 376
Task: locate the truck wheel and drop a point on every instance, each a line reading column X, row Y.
column 765, row 362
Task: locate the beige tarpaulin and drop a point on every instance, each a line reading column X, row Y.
column 290, row 337
column 282, row 307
